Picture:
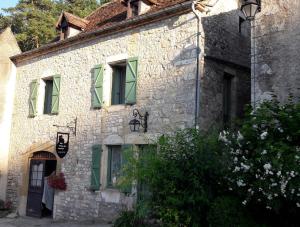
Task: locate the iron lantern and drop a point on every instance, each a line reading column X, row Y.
column 250, row 8
column 141, row 121
column 134, row 125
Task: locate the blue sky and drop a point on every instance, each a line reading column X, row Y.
column 7, row 3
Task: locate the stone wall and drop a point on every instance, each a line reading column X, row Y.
column 276, row 44
column 167, row 53
column 165, row 89
column 8, row 47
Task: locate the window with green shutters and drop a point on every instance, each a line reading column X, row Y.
column 97, row 99
column 117, row 159
column 33, row 98
column 55, row 94
column 96, row 167
column 131, row 80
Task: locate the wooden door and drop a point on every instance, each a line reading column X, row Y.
column 35, row 188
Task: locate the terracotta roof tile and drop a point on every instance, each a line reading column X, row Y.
column 114, row 12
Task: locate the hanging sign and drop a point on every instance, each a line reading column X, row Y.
column 62, row 144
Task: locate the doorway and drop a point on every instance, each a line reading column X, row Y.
column 40, row 196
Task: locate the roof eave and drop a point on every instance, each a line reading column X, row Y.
column 134, row 22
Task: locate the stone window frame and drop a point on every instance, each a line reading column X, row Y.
column 108, row 78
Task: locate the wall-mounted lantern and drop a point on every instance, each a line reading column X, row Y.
column 139, row 120
column 250, row 8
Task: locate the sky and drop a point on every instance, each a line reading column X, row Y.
column 7, row 3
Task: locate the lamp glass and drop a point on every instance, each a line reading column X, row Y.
column 250, row 9
column 134, row 125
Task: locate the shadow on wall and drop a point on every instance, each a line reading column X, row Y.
column 227, row 52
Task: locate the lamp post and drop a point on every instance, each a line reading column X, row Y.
column 250, row 8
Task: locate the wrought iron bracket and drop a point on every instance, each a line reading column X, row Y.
column 72, row 126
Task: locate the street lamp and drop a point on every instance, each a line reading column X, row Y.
column 250, row 8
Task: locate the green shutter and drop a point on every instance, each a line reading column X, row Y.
column 96, row 164
column 127, row 152
column 98, row 86
column 131, row 79
column 33, row 98
column 55, row 94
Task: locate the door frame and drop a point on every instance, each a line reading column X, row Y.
column 39, row 156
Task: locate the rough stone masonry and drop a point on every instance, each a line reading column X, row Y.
column 167, row 55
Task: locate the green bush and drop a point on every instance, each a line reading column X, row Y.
column 128, row 219
column 226, row 211
column 184, row 176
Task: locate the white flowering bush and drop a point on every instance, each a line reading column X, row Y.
column 265, row 157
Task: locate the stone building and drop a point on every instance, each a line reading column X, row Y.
column 275, row 50
column 8, row 47
column 184, row 64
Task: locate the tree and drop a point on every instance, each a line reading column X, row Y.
column 33, row 21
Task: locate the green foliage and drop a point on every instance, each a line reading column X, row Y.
column 248, row 177
column 129, row 219
column 184, row 176
column 226, row 211
column 33, row 21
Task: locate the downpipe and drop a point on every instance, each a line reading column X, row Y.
column 202, row 4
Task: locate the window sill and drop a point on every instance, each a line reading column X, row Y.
column 116, row 108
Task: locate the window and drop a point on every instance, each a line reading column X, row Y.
column 118, row 84
column 44, row 96
column 227, row 82
column 48, row 96
column 123, row 75
column 114, row 165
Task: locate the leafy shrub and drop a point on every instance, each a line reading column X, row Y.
column 265, row 161
column 226, row 211
column 183, row 176
column 128, row 219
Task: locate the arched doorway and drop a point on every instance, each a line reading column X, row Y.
column 40, row 196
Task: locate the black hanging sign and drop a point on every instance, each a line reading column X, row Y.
column 62, row 144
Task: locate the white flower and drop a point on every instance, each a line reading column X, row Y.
column 240, row 183
column 280, row 130
column 236, row 169
column 298, row 204
column 240, row 136
column 267, row 166
column 263, row 135
column 264, row 152
column 244, row 202
column 293, row 174
column 235, row 160
column 279, row 173
column 268, row 207
column 223, row 137
column 245, row 167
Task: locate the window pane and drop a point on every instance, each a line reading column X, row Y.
column 48, row 96
column 118, row 85
column 114, row 166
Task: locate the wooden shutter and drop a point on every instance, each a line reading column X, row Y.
column 131, row 80
column 96, row 167
column 33, row 98
column 98, row 86
column 127, row 151
column 55, row 94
